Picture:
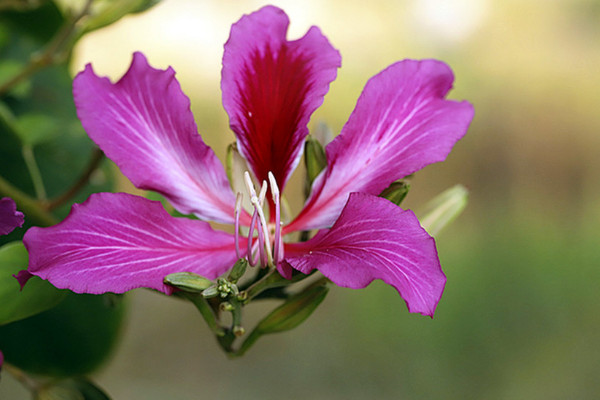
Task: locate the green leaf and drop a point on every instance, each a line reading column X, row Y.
column 72, row 389
column 9, row 69
column 46, row 116
column 62, row 150
column 37, row 23
column 34, row 128
column 73, row 338
column 37, row 296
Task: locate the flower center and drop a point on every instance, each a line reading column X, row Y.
column 268, row 248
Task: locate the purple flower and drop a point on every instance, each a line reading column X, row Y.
column 271, row 86
column 10, row 218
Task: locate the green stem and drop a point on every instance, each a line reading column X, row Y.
column 257, row 332
column 92, row 166
column 34, row 172
column 271, row 280
column 206, row 312
column 246, row 344
column 32, row 209
column 60, row 45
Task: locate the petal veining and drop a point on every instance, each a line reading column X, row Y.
column 271, row 86
column 144, row 124
column 402, row 122
column 375, row 239
column 115, row 242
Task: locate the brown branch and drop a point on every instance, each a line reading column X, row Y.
column 93, row 164
column 52, row 52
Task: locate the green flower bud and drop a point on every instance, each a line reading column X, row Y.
column 188, row 281
column 443, row 209
column 396, row 192
column 238, row 270
column 212, row 291
column 314, row 159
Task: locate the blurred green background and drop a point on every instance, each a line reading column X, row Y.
column 519, row 318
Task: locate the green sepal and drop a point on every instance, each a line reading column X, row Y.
column 72, row 389
column 314, row 159
column 37, row 295
column 238, row 270
column 396, row 192
column 188, row 281
column 294, row 311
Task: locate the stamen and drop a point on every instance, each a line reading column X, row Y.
column 277, row 245
column 251, row 260
column 238, row 205
column 258, row 208
column 261, row 249
column 262, row 194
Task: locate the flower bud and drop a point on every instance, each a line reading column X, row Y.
column 443, row 209
column 238, row 270
column 212, row 291
column 188, row 281
column 396, row 192
column 314, row 159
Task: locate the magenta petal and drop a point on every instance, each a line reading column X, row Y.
column 144, row 124
column 23, row 277
column 271, row 87
column 401, row 123
column 375, row 239
column 118, row 242
column 10, row 218
column 285, row 270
